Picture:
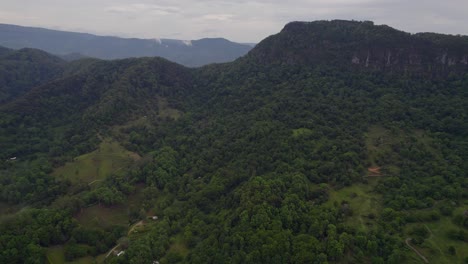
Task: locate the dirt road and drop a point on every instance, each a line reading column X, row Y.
column 129, row 232
column 407, row 241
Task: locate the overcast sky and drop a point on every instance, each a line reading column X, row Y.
column 239, row 20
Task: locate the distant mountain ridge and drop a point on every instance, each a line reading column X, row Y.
column 189, row 53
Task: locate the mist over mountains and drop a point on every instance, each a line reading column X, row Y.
column 190, row 53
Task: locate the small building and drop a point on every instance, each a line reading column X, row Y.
column 155, row 217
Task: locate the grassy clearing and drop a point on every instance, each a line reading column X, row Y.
column 159, row 111
column 438, row 244
column 301, row 132
column 97, row 165
column 56, row 255
column 84, row 260
column 178, row 245
column 8, row 210
column 435, row 248
column 381, row 142
column 102, row 216
column 376, row 142
column 165, row 111
column 362, row 200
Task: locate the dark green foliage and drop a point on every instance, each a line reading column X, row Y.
column 105, row 195
column 152, row 246
column 452, row 250
column 22, row 70
column 446, row 209
column 355, row 44
column 29, row 182
column 461, row 219
column 244, row 171
column 23, row 237
column 74, row 251
column 422, row 216
column 419, row 231
column 163, row 170
column 97, row 240
column 460, row 234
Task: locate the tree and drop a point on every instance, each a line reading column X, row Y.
column 452, row 250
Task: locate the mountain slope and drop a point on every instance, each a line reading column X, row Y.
column 291, row 154
column 100, row 93
column 23, row 69
column 189, row 53
column 4, row 51
column 363, row 45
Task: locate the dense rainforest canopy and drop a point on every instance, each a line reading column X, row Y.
column 332, row 141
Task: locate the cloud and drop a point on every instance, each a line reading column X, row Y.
column 239, row 20
column 219, row 17
column 142, row 9
column 14, row 16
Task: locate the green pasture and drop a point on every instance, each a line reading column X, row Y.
column 92, row 167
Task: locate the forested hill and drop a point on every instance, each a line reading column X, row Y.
column 363, row 45
column 190, row 53
column 316, row 147
column 92, row 94
column 20, row 70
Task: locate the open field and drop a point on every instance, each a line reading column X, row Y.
column 98, row 215
column 178, row 246
column 56, row 255
column 435, row 247
column 97, row 165
column 91, row 168
column 382, row 145
column 362, row 200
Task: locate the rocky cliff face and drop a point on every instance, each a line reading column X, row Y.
column 363, row 45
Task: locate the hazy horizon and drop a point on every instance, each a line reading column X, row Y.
column 239, row 21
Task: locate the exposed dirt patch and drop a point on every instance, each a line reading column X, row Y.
column 374, row 171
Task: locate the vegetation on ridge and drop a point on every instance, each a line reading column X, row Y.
column 264, row 160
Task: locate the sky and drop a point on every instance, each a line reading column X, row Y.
column 240, row 20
